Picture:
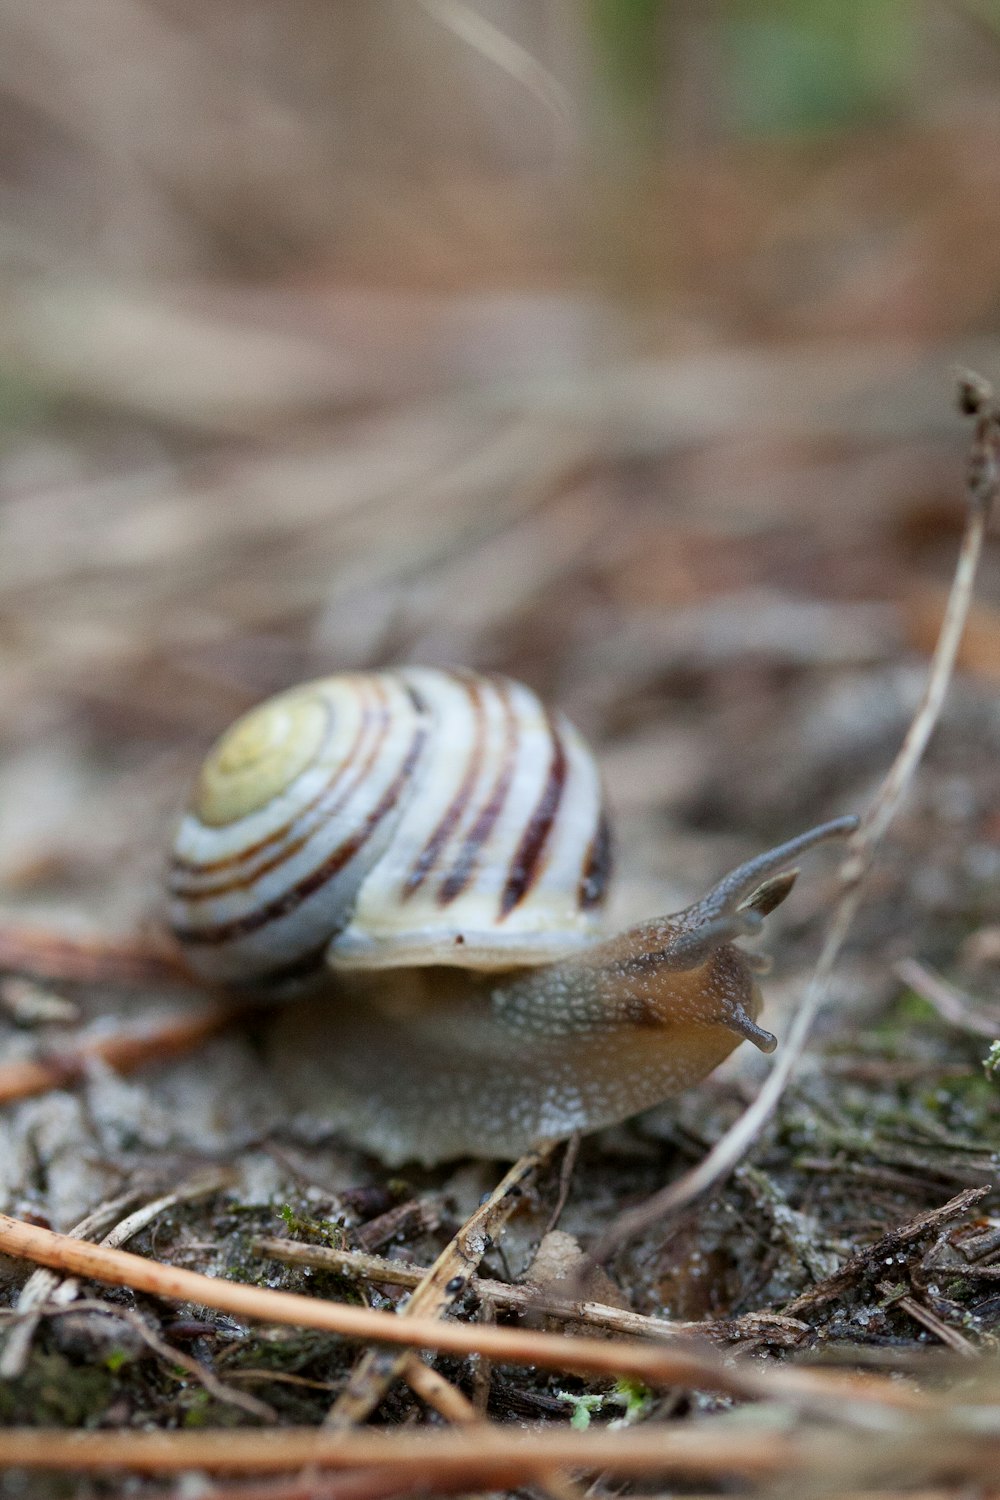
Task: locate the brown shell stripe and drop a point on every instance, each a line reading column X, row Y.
column 596, row 867
column 294, row 827
column 298, row 828
column 526, row 865
column 462, row 870
column 428, row 856
column 291, row 899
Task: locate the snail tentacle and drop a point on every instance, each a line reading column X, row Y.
column 748, row 881
column 686, row 947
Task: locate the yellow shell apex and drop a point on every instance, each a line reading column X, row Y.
column 259, row 756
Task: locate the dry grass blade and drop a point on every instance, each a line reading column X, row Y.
column 436, row 1291
column 656, row 1365
column 512, row 58
column 983, row 482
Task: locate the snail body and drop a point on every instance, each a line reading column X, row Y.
column 449, row 828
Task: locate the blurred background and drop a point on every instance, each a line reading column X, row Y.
column 609, row 344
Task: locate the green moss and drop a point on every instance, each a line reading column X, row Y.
column 55, row 1392
column 582, row 1407
column 315, row 1231
column 636, row 1398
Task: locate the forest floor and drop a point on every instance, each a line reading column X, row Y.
column 740, row 621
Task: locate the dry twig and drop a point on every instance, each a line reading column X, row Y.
column 44, row 1287
column 946, row 1000
column 653, row 1364
column 374, row 1484
column 216, row 1388
column 524, row 1297
column 508, row 54
column 871, row 1260
column 436, row 1291
column 982, row 484
column 502, row 1456
column 930, row 1320
column 41, row 1286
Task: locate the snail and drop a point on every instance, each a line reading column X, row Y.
column 434, row 843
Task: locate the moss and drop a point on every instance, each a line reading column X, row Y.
column 198, row 1408
column 55, row 1392
column 315, row 1231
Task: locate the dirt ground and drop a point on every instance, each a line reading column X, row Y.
column 711, row 511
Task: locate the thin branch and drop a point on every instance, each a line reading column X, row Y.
column 44, row 1286
column 437, row 1392
column 482, row 1365
column 449, row 1402
column 437, row 1290
column 933, row 1324
column 216, row 1388
column 41, row 1286
column 656, row 1365
column 503, row 1456
column 566, row 1169
column 526, row 1298
column 872, row 1258
column 982, row 485
column 375, row 1484
column 513, row 59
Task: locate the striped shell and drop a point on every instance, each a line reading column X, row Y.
column 381, row 819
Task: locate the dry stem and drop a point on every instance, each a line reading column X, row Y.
column 437, row 1290
column 948, row 1001
column 655, row 1365
column 874, row 1256
column 502, row 1456
column 43, row 1286
column 982, row 484
column 524, row 1297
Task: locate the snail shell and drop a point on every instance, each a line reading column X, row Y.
column 391, row 819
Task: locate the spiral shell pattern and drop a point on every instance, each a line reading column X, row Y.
column 379, row 819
